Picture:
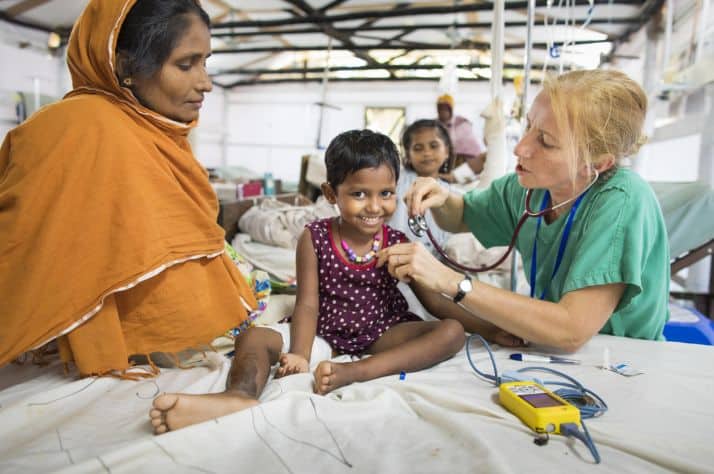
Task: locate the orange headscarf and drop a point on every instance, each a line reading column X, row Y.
column 108, row 234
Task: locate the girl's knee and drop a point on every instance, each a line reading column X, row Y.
column 251, row 334
column 259, row 337
column 454, row 332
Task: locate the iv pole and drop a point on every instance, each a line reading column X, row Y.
column 524, row 102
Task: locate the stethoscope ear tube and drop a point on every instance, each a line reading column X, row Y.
column 424, row 228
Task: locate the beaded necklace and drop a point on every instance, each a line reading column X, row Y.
column 353, row 257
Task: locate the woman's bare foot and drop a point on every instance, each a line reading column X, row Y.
column 331, row 375
column 172, row 411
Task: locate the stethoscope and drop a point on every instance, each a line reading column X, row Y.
column 418, row 226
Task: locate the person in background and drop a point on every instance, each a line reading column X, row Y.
column 598, row 260
column 345, row 304
column 427, row 153
column 461, row 132
column 108, row 237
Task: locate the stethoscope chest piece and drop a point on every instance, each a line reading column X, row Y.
column 417, row 224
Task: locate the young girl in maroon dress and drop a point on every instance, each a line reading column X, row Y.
column 345, row 304
column 343, row 298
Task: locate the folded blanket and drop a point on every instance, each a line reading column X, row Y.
column 275, row 223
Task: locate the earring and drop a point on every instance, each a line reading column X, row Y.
column 127, row 82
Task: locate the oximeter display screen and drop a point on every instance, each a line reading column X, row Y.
column 541, row 400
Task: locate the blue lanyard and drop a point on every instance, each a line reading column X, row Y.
column 563, row 242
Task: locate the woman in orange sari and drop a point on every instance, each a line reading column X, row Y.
column 108, row 234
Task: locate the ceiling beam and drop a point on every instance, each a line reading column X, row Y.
column 258, row 60
column 27, row 24
column 24, row 6
column 344, row 79
column 388, row 67
column 229, row 10
column 411, row 11
column 329, row 30
column 424, row 26
column 220, row 4
column 333, row 4
column 651, row 8
column 464, row 45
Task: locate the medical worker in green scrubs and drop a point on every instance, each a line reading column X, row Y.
column 597, row 260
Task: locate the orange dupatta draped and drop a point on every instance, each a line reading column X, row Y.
column 108, row 233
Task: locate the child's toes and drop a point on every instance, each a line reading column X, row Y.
column 165, row 401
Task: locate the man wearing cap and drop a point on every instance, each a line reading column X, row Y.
column 466, row 147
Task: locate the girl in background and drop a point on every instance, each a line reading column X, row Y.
column 345, row 304
column 428, row 153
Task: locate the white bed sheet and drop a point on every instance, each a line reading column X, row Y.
column 444, row 419
column 278, row 261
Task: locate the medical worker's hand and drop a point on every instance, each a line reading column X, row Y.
column 506, row 339
column 292, row 364
column 411, row 262
column 424, row 193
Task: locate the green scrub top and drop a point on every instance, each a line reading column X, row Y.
column 618, row 236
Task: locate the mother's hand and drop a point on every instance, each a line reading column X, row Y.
column 411, row 262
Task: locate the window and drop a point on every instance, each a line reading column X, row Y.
column 386, row 120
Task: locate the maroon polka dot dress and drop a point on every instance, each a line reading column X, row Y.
column 358, row 303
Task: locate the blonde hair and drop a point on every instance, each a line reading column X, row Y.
column 599, row 112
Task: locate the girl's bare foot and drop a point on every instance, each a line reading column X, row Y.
column 172, row 411
column 331, row 375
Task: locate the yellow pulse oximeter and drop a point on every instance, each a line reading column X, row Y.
column 539, row 408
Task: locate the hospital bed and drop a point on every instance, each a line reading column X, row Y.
column 688, row 210
column 441, row 420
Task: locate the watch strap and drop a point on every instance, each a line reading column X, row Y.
column 459, row 292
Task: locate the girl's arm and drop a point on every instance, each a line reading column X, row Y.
column 442, row 308
column 447, row 208
column 304, row 319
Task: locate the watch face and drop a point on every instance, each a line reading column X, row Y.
column 465, row 285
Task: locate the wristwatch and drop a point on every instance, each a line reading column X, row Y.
column 464, row 287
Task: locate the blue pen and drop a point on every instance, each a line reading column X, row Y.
column 544, row 359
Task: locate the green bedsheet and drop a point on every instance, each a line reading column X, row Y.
column 688, row 210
